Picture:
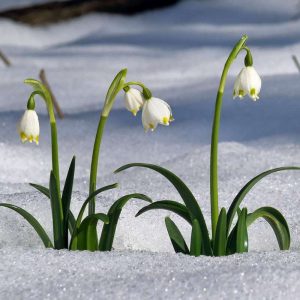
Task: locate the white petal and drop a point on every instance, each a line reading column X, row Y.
column 160, row 110
column 247, row 82
column 236, row 86
column 29, row 128
column 155, row 111
column 148, row 119
column 134, row 100
column 255, row 80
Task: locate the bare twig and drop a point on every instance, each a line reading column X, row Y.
column 44, row 80
column 5, row 59
column 296, row 61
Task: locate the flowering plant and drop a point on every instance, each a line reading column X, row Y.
column 227, row 236
column 83, row 230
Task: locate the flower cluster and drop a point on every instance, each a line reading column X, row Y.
column 155, row 111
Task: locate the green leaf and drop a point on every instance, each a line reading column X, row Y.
column 90, row 197
column 220, row 241
column 176, row 237
column 71, row 222
column 41, row 189
column 231, row 241
column 57, row 214
column 243, row 192
column 196, row 239
column 109, row 230
column 276, row 221
column 46, row 192
column 73, row 242
column 87, row 238
column 66, row 199
column 33, row 222
column 187, row 197
column 242, row 233
column 170, row 205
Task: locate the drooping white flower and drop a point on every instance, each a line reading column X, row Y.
column 134, row 100
column 29, row 127
column 156, row 111
column 247, row 82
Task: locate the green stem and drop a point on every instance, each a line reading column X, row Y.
column 215, row 137
column 146, row 92
column 60, row 235
column 55, row 160
column 54, row 144
column 95, row 161
column 115, row 87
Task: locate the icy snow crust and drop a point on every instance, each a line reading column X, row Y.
column 179, row 53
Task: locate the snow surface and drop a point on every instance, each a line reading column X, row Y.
column 179, row 53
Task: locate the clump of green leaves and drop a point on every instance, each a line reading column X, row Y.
column 69, row 232
column 228, row 236
column 231, row 237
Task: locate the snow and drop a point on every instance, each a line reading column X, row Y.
column 141, row 275
column 179, row 52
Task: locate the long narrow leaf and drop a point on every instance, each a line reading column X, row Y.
column 87, row 238
column 220, row 241
column 187, row 197
column 176, row 237
column 169, row 205
column 57, row 214
column 196, row 239
column 33, row 222
column 90, row 197
column 243, row 192
column 242, row 233
column 41, row 189
column 66, row 199
column 276, row 221
column 46, row 192
column 109, row 230
column 71, row 222
column 231, row 241
column 68, row 188
column 83, row 207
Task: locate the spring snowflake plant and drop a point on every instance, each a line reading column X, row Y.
column 229, row 228
column 81, row 233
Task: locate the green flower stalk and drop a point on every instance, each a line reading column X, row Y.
column 62, row 217
column 111, row 95
column 134, row 101
column 227, row 237
column 247, row 82
column 41, row 90
column 60, row 231
column 215, row 135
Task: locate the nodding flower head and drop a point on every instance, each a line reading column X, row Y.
column 156, row 111
column 247, row 82
column 29, row 127
column 134, row 100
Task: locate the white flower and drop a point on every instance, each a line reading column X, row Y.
column 156, row 111
column 247, row 82
column 134, row 100
column 29, row 128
